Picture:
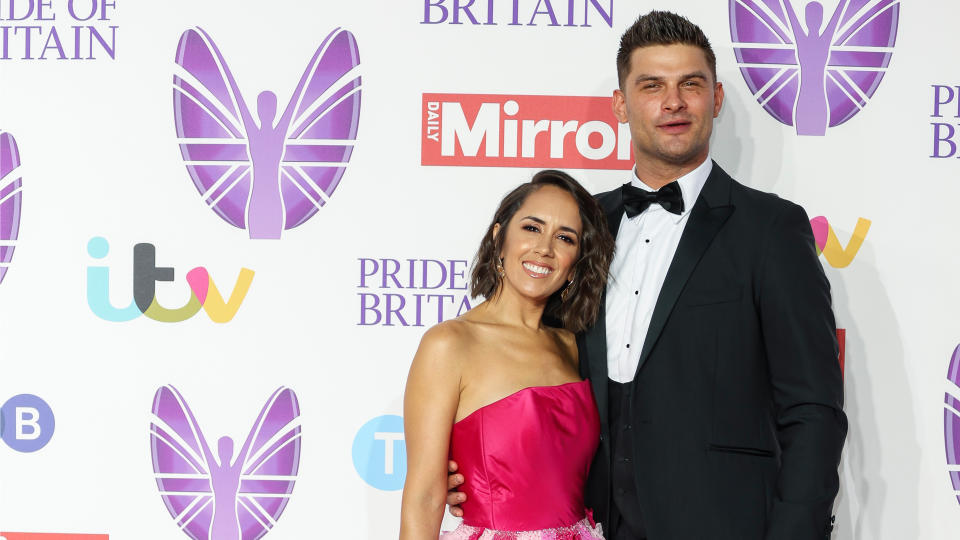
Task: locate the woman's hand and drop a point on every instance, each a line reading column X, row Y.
column 454, row 498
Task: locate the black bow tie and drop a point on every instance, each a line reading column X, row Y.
column 636, row 200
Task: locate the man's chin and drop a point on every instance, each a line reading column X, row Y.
column 684, row 157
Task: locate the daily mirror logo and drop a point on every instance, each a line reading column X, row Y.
column 267, row 173
column 486, row 130
column 951, row 421
column 816, row 65
column 225, row 493
column 10, row 199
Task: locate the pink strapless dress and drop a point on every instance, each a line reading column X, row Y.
column 525, row 459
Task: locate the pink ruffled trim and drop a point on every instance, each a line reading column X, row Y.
column 582, row 530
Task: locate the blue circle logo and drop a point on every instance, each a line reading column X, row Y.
column 380, row 454
column 27, row 423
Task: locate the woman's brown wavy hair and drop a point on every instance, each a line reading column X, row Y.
column 580, row 309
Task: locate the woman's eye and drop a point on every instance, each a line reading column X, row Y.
column 531, row 228
column 567, row 239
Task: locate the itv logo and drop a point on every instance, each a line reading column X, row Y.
column 204, row 293
column 829, row 245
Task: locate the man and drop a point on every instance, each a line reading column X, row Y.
column 714, row 362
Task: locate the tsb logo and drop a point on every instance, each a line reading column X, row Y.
column 380, row 454
column 484, row 130
column 26, row 423
column 204, row 293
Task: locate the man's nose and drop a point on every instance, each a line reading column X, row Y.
column 673, row 99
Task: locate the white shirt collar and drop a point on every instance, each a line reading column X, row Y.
column 690, row 184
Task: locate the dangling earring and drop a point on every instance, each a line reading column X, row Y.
column 566, row 291
column 500, row 271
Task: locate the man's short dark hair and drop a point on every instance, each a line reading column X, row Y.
column 662, row 28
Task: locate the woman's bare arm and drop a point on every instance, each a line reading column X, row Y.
column 429, row 408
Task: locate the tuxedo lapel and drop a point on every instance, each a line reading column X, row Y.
column 595, row 338
column 708, row 215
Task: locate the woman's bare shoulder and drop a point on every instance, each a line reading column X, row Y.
column 447, row 340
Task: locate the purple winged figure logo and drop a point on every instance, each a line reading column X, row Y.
column 222, row 495
column 951, row 421
column 266, row 174
column 817, row 71
column 10, row 199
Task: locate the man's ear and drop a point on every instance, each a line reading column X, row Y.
column 619, row 105
column 717, row 98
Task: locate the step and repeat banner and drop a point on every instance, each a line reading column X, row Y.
column 224, row 226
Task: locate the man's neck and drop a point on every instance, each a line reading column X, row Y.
column 657, row 174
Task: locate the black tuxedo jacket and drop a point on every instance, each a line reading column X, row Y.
column 736, row 407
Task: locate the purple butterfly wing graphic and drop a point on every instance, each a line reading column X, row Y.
column 10, row 199
column 225, row 496
column 271, row 465
column 179, row 453
column 813, row 69
column 326, row 114
column 951, row 421
column 209, row 124
column 271, row 173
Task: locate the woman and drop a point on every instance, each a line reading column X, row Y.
column 498, row 388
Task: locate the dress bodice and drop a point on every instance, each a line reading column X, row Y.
column 525, row 458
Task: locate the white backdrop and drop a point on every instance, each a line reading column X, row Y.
column 100, row 159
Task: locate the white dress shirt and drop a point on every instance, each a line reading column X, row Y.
column 645, row 247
